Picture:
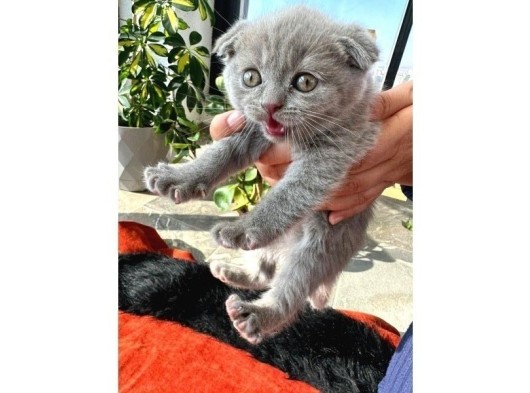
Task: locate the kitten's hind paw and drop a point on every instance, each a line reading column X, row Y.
column 235, row 235
column 244, row 320
column 176, row 184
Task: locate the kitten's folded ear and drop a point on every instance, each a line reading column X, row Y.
column 224, row 46
column 360, row 48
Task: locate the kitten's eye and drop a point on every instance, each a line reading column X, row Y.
column 251, row 78
column 305, row 82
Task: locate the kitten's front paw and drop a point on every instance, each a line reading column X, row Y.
column 173, row 183
column 235, row 235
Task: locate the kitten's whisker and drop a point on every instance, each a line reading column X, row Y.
column 351, row 110
column 354, row 111
column 302, row 137
column 246, row 131
column 316, row 127
column 311, row 137
column 306, row 131
column 223, row 18
column 321, row 117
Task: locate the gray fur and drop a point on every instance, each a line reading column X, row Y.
column 299, row 255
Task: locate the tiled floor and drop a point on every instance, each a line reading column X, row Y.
column 378, row 281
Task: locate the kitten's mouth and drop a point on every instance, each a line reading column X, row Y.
column 274, row 128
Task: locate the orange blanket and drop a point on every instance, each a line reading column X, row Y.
column 161, row 356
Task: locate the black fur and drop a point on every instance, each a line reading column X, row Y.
column 324, row 348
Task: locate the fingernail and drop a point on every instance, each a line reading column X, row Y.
column 334, row 219
column 235, row 120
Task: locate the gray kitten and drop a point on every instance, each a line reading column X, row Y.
column 301, row 78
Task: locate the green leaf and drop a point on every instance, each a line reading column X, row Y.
column 407, row 224
column 181, row 93
column 159, row 83
column 220, row 83
column 185, row 5
column 170, row 20
column 204, row 66
column 123, row 56
column 203, row 51
column 163, row 127
column 251, row 174
column 133, row 69
column 199, row 93
column 239, row 200
column 185, row 122
column 160, row 50
column 195, row 37
column 183, row 25
column 172, row 57
column 150, row 59
column 140, row 5
column 223, row 196
column 196, row 73
column 124, row 87
column 123, row 101
column 144, row 93
column 195, row 137
column 249, row 189
column 183, row 62
column 154, row 28
column 214, row 109
column 175, row 83
column 179, row 146
column 175, row 40
column 135, row 89
column 203, row 4
column 202, row 10
column 148, row 16
column 217, row 100
column 156, row 36
column 191, row 100
column 126, row 42
column 158, row 94
column 180, row 156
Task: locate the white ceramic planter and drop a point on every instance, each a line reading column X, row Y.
column 138, row 148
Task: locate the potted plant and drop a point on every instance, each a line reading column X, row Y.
column 161, row 79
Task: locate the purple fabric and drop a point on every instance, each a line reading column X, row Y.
column 398, row 378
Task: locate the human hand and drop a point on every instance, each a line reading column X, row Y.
column 389, row 161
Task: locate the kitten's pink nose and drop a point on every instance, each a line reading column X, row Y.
column 271, row 108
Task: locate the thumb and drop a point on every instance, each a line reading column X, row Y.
column 226, row 123
column 391, row 101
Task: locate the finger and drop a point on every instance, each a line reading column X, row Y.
column 354, row 204
column 389, row 102
column 277, row 154
column 225, row 124
column 395, row 134
column 272, row 173
column 384, row 173
column 335, row 217
column 346, row 201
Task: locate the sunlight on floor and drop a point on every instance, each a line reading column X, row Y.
column 395, row 192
